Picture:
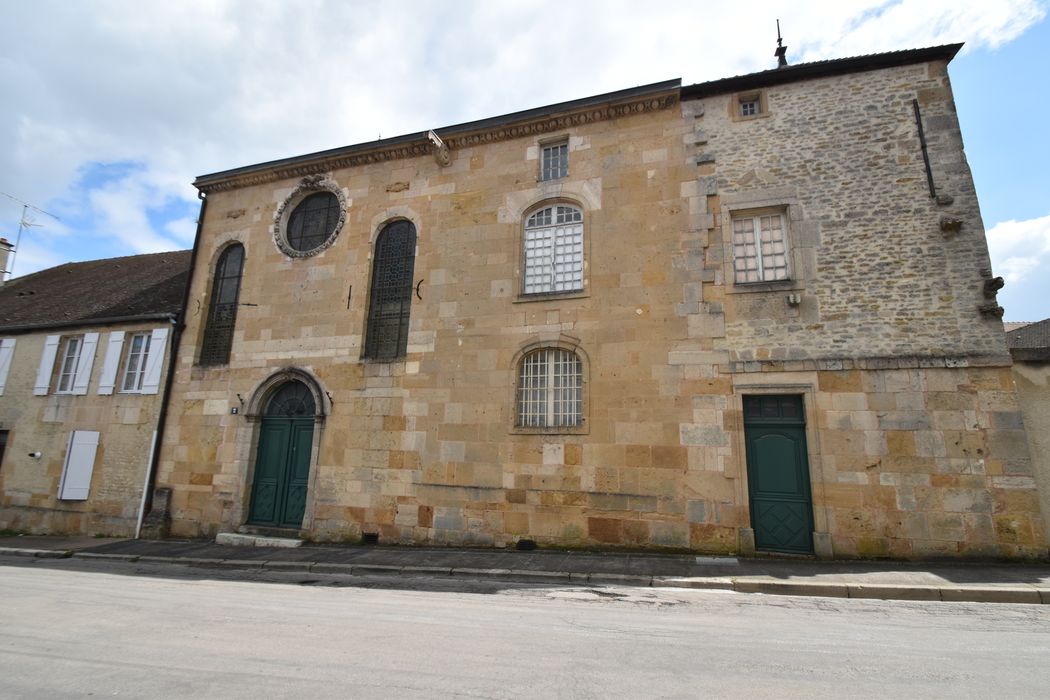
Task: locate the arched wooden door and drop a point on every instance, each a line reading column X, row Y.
column 282, row 463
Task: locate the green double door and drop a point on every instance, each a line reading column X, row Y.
column 282, row 472
column 778, row 474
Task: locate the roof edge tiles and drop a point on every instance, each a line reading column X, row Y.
column 819, row 69
column 561, row 115
column 540, row 120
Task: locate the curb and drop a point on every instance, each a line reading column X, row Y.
column 1023, row 594
column 41, row 553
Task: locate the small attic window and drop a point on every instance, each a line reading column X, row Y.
column 749, row 105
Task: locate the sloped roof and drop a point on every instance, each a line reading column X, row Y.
column 1031, row 342
column 97, row 291
column 820, row 69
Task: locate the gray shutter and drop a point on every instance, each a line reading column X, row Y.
column 84, row 363
column 108, row 379
column 155, row 361
column 80, row 463
column 47, row 363
column 7, row 351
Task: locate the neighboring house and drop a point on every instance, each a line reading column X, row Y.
column 754, row 314
column 1030, row 348
column 84, row 354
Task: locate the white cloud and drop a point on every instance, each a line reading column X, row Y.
column 199, row 86
column 1018, row 248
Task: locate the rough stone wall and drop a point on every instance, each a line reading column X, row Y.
column 29, row 486
column 875, row 272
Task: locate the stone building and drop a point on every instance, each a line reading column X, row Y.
column 83, row 360
column 1029, row 345
column 754, row 314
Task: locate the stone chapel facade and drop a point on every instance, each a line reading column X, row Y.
column 754, row 314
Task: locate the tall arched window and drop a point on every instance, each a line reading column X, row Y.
column 222, row 312
column 550, row 389
column 391, row 298
column 553, row 250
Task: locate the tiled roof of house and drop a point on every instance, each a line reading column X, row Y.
column 96, row 291
column 1031, row 342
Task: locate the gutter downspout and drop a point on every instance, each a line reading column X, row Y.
column 179, row 325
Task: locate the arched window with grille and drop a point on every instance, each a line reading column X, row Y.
column 550, row 389
column 222, row 311
column 390, row 300
column 553, row 250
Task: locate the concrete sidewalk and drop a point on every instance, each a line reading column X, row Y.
column 929, row 581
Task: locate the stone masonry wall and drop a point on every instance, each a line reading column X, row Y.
column 29, row 486
column 912, row 420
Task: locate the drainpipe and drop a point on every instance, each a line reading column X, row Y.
column 178, row 326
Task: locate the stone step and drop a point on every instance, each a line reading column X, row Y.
column 236, row 539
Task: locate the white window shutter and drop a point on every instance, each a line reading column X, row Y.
column 84, row 364
column 47, row 363
column 110, row 365
column 7, row 351
column 155, row 361
column 80, row 463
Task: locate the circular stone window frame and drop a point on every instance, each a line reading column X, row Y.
column 306, row 187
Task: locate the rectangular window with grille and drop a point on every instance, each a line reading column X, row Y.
column 554, row 251
column 550, row 389
column 759, row 248
column 554, row 161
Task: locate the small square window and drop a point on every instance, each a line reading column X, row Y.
column 554, row 161
column 749, row 108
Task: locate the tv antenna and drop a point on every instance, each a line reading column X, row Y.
column 23, row 223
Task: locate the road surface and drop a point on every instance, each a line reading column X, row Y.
column 78, row 629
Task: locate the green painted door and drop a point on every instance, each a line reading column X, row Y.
column 282, row 471
column 778, row 474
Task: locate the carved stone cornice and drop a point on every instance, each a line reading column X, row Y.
column 488, row 131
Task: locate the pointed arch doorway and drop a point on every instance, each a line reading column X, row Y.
column 282, row 463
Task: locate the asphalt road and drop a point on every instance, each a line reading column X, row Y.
column 134, row 630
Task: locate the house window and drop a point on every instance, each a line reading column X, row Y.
column 135, row 363
column 746, row 106
column 386, row 336
column 554, row 250
column 759, row 248
column 67, row 366
column 550, row 389
column 554, row 161
column 222, row 313
column 3, row 445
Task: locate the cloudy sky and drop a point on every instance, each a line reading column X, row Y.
column 111, row 108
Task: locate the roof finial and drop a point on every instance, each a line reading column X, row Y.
column 781, row 52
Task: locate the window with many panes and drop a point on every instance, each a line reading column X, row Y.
column 67, row 364
column 222, row 312
column 759, row 248
column 554, row 161
column 553, row 250
column 313, row 221
column 390, row 301
column 135, row 363
column 550, row 389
